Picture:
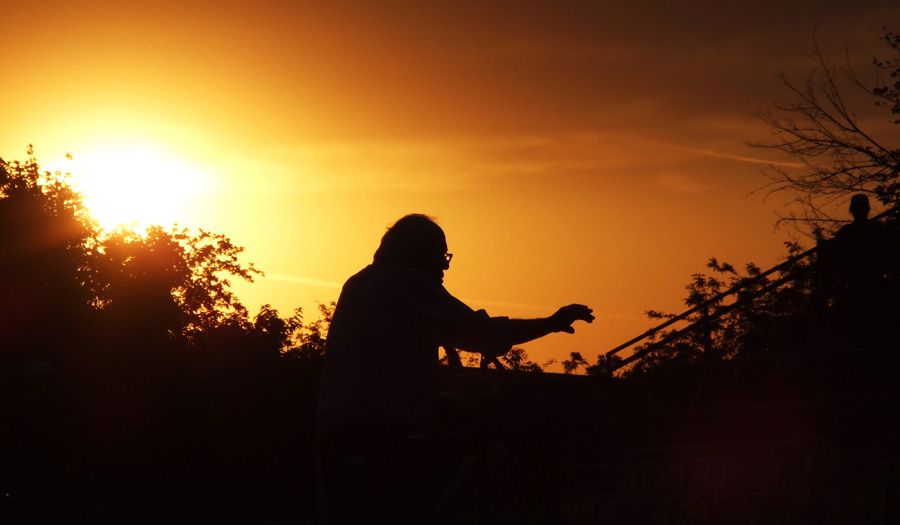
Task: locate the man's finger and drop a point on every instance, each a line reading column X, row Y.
column 582, row 312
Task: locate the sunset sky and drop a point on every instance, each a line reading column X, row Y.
column 573, row 152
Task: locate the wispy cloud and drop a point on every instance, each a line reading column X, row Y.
column 709, row 152
column 442, row 164
column 743, row 158
column 450, row 163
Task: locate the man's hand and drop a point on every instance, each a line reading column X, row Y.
column 564, row 317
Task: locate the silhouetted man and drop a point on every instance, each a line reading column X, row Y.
column 857, row 274
column 381, row 364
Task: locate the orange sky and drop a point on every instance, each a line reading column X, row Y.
column 573, row 153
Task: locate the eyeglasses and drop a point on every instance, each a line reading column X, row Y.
column 448, row 257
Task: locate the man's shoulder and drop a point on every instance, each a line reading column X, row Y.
column 848, row 231
column 393, row 276
column 357, row 278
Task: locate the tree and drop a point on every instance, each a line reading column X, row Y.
column 306, row 342
column 517, row 359
column 57, row 269
column 837, row 154
column 755, row 322
column 48, row 247
column 575, row 361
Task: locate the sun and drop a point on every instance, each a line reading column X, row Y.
column 135, row 186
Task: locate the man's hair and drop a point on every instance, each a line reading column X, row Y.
column 412, row 241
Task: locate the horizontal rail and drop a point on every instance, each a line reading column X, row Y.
column 709, row 302
column 715, row 315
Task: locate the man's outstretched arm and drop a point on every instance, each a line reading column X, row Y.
column 523, row 330
column 477, row 332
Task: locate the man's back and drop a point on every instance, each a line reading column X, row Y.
column 860, row 249
column 381, row 359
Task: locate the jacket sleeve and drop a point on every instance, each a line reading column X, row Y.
column 449, row 321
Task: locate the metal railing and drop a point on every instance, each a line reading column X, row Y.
column 745, row 287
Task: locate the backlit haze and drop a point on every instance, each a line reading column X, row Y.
column 573, row 153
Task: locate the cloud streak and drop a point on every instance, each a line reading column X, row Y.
column 743, row 158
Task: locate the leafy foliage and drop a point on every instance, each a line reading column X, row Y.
column 575, row 361
column 184, row 278
column 517, row 360
column 47, row 253
column 888, row 90
column 757, row 321
column 306, row 342
column 149, row 288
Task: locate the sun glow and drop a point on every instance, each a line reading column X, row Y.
column 135, row 186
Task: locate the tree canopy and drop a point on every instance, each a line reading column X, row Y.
column 66, row 281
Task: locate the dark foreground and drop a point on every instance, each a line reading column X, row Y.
column 805, row 438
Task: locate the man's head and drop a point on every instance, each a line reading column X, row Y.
column 415, row 241
column 859, row 207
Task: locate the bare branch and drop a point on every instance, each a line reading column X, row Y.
column 838, row 157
